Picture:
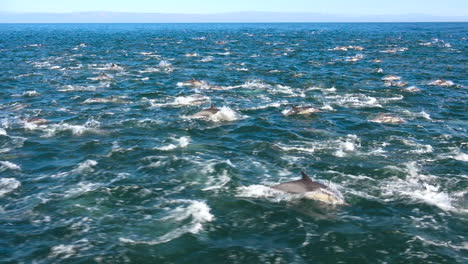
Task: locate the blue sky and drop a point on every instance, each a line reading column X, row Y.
column 356, row 7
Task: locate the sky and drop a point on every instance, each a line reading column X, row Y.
column 348, row 7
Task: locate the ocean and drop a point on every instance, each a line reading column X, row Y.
column 103, row 161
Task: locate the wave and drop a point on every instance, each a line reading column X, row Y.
column 190, row 217
column 7, row 185
column 181, row 142
column 50, row 130
column 419, row 188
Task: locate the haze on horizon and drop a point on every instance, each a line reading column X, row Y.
column 447, row 8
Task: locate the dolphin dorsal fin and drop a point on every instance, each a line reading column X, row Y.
column 305, row 177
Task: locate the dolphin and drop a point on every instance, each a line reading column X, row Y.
column 207, row 112
column 388, row 119
column 300, row 110
column 311, row 190
column 194, row 83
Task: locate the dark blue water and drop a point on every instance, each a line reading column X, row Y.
column 101, row 160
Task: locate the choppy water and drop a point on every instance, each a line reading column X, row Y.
column 112, row 168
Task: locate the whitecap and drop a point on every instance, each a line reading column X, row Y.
column 8, row 185
column 72, row 88
column 346, row 146
column 81, row 188
column 62, row 251
column 86, row 166
column 195, row 214
column 195, row 99
column 207, row 59
column 52, row 129
column 355, row 100
column 224, row 114
column 31, row 93
column 261, row 191
column 354, row 58
column 255, row 84
column 419, row 187
column 181, row 142
column 297, row 148
column 4, row 165
column 164, row 64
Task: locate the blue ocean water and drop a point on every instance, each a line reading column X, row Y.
column 101, row 160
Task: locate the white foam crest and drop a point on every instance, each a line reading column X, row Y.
column 81, row 45
column 461, row 157
column 346, row 48
column 355, row 100
column 32, row 45
column 261, row 191
column 447, row 244
column 79, row 88
column 394, row 50
column 81, row 187
column 198, row 212
column 297, row 148
column 224, row 114
column 85, row 167
column 419, row 187
column 102, row 77
column 40, row 64
column 182, row 142
column 391, row 78
column 104, row 100
column 4, row 165
column 31, row 93
column 421, row 114
column 150, row 70
column 348, row 145
column 3, row 132
column 457, row 154
column 164, row 64
column 419, row 148
column 284, row 89
column 195, row 99
column 8, row 185
column 274, row 105
column 107, row 67
column 255, row 84
column 354, row 58
column 51, row 129
column 66, row 251
column 193, row 54
column 412, row 89
column 215, row 182
column 207, row 59
column 327, row 107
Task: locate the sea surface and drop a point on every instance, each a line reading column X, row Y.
column 102, row 160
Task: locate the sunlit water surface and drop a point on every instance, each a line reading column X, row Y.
column 101, row 160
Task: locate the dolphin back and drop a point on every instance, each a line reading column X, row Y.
column 306, row 184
